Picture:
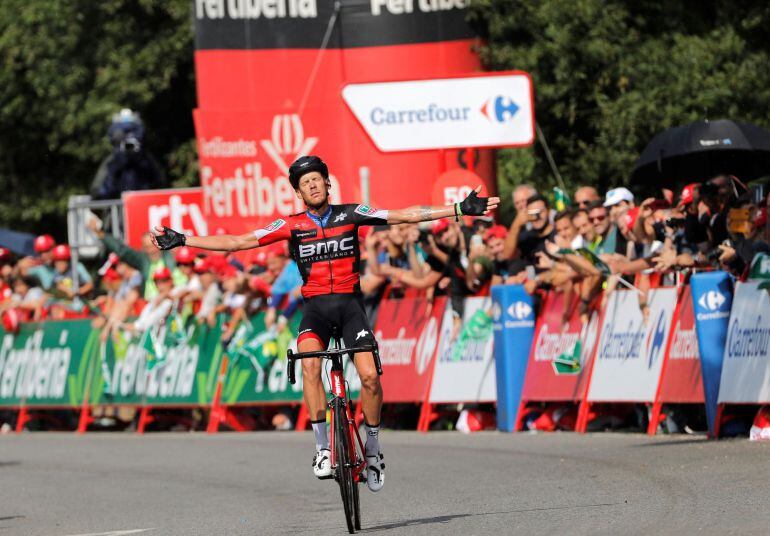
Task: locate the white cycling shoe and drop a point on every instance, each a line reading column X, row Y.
column 322, row 464
column 375, row 471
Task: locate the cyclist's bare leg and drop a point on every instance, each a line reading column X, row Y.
column 371, row 389
column 312, row 386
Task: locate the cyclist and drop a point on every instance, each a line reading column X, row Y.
column 324, row 243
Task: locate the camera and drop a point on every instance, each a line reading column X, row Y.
column 675, row 223
column 714, row 254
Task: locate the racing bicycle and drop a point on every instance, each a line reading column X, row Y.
column 347, row 450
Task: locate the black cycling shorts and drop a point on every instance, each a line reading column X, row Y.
column 346, row 311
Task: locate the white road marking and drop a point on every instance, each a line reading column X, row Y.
column 113, row 533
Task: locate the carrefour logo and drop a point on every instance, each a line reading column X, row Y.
column 656, row 340
column 715, row 303
column 499, row 109
column 712, row 300
column 519, row 310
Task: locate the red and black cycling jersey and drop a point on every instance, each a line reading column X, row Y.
column 327, row 254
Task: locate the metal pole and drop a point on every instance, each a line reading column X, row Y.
column 549, row 157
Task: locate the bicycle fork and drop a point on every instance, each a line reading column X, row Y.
column 337, row 380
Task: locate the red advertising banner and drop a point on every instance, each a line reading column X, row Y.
column 180, row 209
column 682, row 382
column 269, row 78
column 560, row 339
column 407, row 332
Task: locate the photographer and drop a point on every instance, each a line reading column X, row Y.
column 528, row 244
column 745, row 223
column 130, row 166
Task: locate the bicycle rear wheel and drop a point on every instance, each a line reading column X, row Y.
column 345, row 477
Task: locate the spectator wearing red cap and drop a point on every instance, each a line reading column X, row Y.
column 209, row 294
column 159, row 306
column 233, row 300
column 64, row 276
column 285, row 294
column 696, row 216
column 185, row 278
column 40, row 266
column 124, row 286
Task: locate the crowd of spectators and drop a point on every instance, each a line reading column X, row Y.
column 596, row 242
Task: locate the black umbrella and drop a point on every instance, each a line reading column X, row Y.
column 700, row 150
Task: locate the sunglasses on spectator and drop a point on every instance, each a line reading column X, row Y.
column 597, row 218
column 585, row 202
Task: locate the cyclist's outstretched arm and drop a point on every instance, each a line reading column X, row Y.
column 216, row 243
column 166, row 238
column 473, row 205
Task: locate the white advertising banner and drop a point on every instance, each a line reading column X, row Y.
column 465, row 364
column 746, row 363
column 492, row 110
column 630, row 353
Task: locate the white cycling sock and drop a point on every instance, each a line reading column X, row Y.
column 372, row 446
column 321, row 439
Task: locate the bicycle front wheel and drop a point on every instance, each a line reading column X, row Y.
column 343, row 457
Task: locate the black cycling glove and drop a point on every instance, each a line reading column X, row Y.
column 170, row 239
column 473, row 205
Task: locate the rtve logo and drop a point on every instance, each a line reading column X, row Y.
column 500, row 109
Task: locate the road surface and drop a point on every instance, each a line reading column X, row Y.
column 439, row 483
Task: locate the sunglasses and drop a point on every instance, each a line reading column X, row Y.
column 583, row 203
column 595, row 219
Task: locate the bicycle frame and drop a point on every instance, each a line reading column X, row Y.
column 337, row 381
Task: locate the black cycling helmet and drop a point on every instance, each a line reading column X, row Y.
column 304, row 165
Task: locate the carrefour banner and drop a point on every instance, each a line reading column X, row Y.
column 42, row 364
column 746, row 364
column 483, row 110
column 630, row 351
column 513, row 316
column 407, row 332
column 712, row 295
column 465, row 364
column 682, row 381
column 561, row 353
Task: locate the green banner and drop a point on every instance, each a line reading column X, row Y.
column 176, row 363
column 257, row 371
column 64, row 362
column 41, row 365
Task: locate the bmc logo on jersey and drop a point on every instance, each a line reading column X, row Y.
column 331, row 248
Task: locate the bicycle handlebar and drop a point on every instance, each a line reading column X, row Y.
column 329, row 354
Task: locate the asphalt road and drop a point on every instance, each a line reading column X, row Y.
column 440, row 483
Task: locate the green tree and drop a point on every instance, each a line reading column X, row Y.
column 609, row 74
column 67, row 66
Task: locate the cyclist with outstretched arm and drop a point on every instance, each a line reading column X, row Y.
column 324, row 244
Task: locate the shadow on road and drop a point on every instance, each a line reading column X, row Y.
column 9, row 464
column 448, row 518
column 670, row 442
column 9, row 518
